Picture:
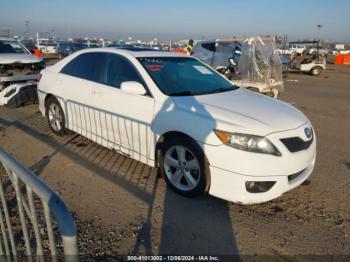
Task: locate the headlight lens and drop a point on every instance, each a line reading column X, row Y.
column 41, row 65
column 250, row 143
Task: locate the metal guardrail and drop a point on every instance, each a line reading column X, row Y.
column 36, row 231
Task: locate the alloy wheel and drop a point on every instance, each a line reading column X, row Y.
column 55, row 117
column 182, row 168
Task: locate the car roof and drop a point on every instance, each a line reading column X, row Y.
column 135, row 51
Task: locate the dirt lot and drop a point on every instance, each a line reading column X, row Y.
column 122, row 208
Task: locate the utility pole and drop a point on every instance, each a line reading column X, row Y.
column 318, row 39
column 27, row 23
column 37, row 40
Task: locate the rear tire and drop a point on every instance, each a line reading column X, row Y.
column 55, row 116
column 184, row 167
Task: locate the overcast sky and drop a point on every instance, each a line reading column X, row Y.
column 179, row 19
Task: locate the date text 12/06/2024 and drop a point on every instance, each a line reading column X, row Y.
column 173, row 258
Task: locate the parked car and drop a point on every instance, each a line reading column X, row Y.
column 14, row 55
column 66, row 48
column 17, row 64
column 46, row 46
column 19, row 71
column 32, row 48
column 174, row 112
column 312, row 64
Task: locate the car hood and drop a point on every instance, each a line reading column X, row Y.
column 244, row 111
column 19, row 58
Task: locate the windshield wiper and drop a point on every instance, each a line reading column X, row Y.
column 220, row 90
column 184, row 93
column 189, row 93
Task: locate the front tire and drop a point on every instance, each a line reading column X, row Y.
column 55, row 116
column 184, row 167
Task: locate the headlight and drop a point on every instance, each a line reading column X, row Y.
column 41, row 65
column 250, row 143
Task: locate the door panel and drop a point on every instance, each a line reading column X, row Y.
column 125, row 120
column 76, row 83
column 77, row 96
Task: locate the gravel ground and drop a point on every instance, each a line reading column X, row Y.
column 121, row 207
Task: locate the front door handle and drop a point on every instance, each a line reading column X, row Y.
column 96, row 92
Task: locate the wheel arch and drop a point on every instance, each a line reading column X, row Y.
column 171, row 134
column 166, row 136
column 54, row 99
column 47, row 97
column 59, row 100
column 45, row 100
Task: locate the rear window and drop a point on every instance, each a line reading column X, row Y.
column 84, row 66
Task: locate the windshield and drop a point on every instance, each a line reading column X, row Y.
column 11, row 47
column 182, row 76
column 29, row 45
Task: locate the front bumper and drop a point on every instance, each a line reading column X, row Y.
column 231, row 168
column 41, row 99
column 231, row 186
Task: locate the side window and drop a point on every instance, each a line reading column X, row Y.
column 84, row 66
column 116, row 70
column 209, row 46
column 204, row 52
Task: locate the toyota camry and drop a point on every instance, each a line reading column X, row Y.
column 174, row 112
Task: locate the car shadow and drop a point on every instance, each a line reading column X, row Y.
column 191, row 226
column 196, row 226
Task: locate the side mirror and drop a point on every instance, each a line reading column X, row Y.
column 133, row 87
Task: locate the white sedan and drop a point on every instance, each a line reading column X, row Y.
column 176, row 113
